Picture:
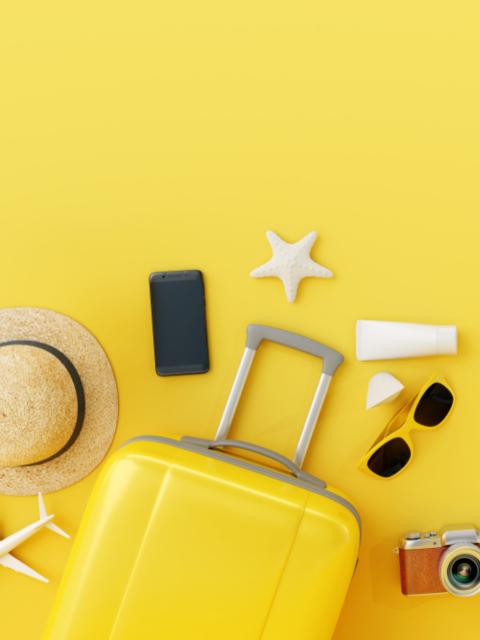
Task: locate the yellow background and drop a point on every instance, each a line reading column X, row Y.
column 143, row 136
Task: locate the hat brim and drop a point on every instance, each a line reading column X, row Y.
column 101, row 400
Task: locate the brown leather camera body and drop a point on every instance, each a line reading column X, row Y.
column 419, row 571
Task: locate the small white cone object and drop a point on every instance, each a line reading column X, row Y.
column 382, row 389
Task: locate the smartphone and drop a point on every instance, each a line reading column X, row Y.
column 179, row 322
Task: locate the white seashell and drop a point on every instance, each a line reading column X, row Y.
column 291, row 263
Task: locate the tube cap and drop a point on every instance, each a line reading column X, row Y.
column 447, row 340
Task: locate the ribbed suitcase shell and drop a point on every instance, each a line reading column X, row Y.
column 184, row 544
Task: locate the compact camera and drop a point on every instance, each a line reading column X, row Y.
column 447, row 561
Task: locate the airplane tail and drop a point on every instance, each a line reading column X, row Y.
column 49, row 525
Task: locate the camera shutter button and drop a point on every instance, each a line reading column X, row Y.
column 413, row 535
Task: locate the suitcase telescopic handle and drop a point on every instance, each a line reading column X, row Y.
column 256, row 333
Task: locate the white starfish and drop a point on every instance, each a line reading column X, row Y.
column 291, row 263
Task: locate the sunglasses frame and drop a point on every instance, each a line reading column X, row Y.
column 404, row 431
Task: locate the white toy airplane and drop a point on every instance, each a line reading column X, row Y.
column 17, row 538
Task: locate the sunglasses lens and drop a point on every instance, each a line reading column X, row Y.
column 390, row 458
column 434, row 406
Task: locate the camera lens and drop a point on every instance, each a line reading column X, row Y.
column 464, row 571
column 460, row 569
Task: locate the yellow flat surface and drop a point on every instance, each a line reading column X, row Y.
column 143, row 136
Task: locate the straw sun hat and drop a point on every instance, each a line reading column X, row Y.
column 58, row 401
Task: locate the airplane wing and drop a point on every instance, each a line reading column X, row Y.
column 12, row 563
column 50, row 525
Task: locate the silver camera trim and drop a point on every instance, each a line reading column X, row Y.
column 447, row 536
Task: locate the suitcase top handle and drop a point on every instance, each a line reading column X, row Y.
column 256, row 333
column 248, row 446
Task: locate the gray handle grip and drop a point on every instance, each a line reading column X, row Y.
column 255, row 448
column 256, row 333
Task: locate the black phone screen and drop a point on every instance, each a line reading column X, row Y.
column 179, row 324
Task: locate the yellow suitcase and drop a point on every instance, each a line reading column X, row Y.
column 182, row 540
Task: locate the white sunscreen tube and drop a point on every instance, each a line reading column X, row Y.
column 391, row 340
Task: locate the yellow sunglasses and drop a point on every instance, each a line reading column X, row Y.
column 392, row 451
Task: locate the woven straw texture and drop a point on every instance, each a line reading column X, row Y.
column 38, row 405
